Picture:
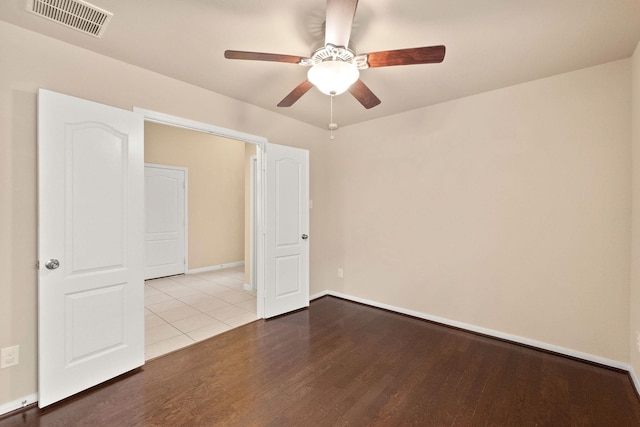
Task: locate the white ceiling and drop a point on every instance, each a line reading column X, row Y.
column 490, row 44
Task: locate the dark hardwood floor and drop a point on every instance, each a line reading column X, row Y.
column 341, row 363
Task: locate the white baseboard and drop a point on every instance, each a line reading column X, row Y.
column 215, row 267
column 490, row 332
column 248, row 287
column 319, row 295
column 634, row 378
column 5, row 408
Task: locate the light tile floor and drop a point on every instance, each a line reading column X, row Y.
column 182, row 310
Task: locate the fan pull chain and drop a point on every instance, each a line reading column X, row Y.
column 332, row 126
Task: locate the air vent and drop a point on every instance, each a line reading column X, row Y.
column 76, row 14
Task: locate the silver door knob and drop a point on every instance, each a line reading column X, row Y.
column 52, row 264
column 305, row 237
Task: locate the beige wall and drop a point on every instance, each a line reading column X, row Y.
column 635, row 243
column 508, row 210
column 31, row 61
column 216, row 189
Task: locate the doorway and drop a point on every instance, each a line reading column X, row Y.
column 215, row 291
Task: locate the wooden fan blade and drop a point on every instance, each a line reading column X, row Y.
column 258, row 56
column 363, row 94
column 296, row 94
column 416, row 55
column 339, row 20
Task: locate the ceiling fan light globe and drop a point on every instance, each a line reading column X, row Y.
column 333, row 77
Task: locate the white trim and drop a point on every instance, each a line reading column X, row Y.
column 634, row 378
column 186, row 207
column 253, row 172
column 215, row 267
column 247, row 287
column 320, row 295
column 490, row 332
column 5, row 408
column 261, row 230
column 261, row 142
column 167, row 119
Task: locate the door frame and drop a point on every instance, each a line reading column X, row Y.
column 253, row 172
column 184, row 170
column 258, row 211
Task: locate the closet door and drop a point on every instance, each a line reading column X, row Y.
column 165, row 221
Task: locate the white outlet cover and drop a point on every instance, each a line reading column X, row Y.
column 9, row 356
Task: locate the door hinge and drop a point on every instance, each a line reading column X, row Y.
column 38, row 265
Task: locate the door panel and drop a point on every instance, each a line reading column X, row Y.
column 90, row 191
column 287, row 221
column 85, row 311
column 288, row 275
column 95, row 151
column 288, row 181
column 165, row 234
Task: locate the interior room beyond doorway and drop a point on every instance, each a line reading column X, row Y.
column 219, row 291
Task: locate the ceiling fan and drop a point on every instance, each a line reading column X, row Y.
column 335, row 68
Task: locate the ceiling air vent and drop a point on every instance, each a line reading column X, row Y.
column 76, row 14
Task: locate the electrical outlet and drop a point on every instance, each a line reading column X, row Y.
column 340, row 273
column 9, row 356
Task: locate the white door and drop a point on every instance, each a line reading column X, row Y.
column 287, row 230
column 165, row 221
column 91, row 244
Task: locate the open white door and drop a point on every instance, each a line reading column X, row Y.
column 165, row 221
column 91, row 244
column 287, row 229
